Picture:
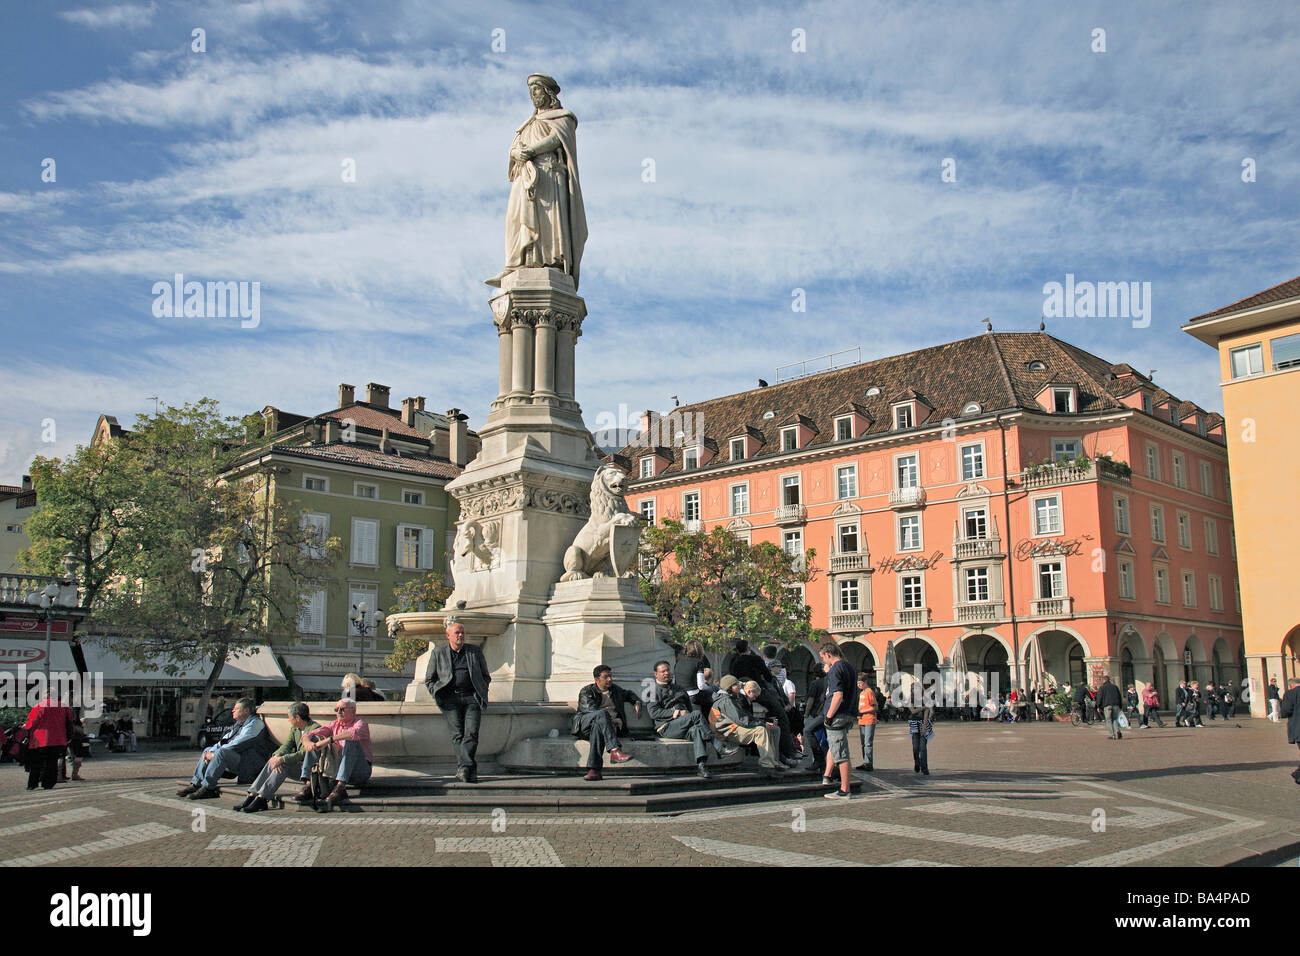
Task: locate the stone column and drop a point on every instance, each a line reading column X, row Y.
column 567, row 334
column 521, row 380
column 544, row 359
column 505, row 359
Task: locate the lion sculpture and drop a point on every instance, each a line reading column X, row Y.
column 588, row 556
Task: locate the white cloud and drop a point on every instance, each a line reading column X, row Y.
column 128, row 15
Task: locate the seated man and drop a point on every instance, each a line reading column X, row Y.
column 289, row 759
column 600, row 719
column 676, row 718
column 241, row 752
column 734, row 722
column 344, row 745
column 125, row 725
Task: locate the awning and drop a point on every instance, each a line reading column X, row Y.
column 30, row 653
column 256, row 668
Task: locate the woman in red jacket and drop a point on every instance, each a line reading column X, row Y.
column 50, row 724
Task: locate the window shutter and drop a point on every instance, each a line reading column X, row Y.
column 401, row 537
column 426, row 549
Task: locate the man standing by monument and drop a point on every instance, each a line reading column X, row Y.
column 546, row 225
column 458, row 682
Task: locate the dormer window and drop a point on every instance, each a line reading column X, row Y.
column 972, row 408
column 690, row 459
column 1063, row 400
column 1147, row 405
column 873, row 390
column 1036, row 366
column 647, row 469
column 737, row 449
column 903, row 417
column 789, row 439
column 844, row 428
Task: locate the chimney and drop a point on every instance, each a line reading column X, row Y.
column 384, row 444
column 419, row 402
column 458, row 450
column 331, row 430
column 272, row 419
column 409, row 408
column 347, row 395
column 648, row 422
column 377, row 395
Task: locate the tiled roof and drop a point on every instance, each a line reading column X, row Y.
column 377, row 419
column 1289, row 289
column 991, row 369
column 348, row 453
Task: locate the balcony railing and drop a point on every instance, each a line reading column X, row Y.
column 1052, row 607
column 907, row 497
column 791, row 514
column 1060, row 473
column 976, row 548
column 850, row 562
column 692, row 525
column 14, row 588
column 855, row 621
column 912, row 617
column 979, row 612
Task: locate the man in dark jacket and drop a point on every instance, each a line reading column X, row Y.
column 600, row 719
column 241, row 752
column 1111, row 703
column 1080, row 700
column 1290, row 709
column 749, row 666
column 458, row 682
column 676, row 718
column 1182, row 698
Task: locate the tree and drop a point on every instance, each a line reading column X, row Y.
column 417, row 594
column 714, row 587
column 196, row 563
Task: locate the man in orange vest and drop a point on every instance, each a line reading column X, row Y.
column 868, row 704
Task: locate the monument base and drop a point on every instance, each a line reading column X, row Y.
column 567, row 753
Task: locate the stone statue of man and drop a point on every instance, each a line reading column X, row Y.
column 546, row 224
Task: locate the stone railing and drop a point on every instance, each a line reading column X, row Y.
column 974, row 613
column 976, row 548
column 1061, row 473
column 912, row 617
column 850, row 562
column 843, row 623
column 790, row 514
column 1052, row 607
column 14, row 588
column 907, row 497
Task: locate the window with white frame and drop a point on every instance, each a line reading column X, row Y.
column 742, row 534
column 1216, row 592
column 1162, row 584
column 1051, row 580
column 1153, row 461
column 1062, row 400
column 737, row 449
column 909, row 532
column 1047, row 515
column 361, row 490
column 977, row 585
column 315, row 483
column 647, row 467
column 848, row 538
column 690, row 459
column 647, row 509
column 912, row 592
column 412, row 497
column 1189, row 589
column 846, row 482
column 906, row 472
column 1184, row 530
column 1180, row 469
column 691, row 506
column 848, row 595
column 311, row 618
column 972, row 462
column 792, row 544
column 1247, row 360
column 789, row 439
column 1121, row 515
column 1207, row 479
column 795, row 593
column 790, row 491
column 844, row 428
column 740, row 499
column 1211, row 536
column 1066, row 448
column 317, row 532
column 1147, row 404
column 976, row 522
column 365, row 541
column 1125, row 578
column 358, row 593
column 902, row 417
column 414, row 547
column 1158, row 523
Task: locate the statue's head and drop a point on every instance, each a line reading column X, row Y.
column 612, row 480
column 544, row 91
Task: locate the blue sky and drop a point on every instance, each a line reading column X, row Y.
column 774, row 170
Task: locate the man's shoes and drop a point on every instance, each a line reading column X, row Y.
column 256, row 805
column 1119, row 735
column 836, row 794
column 702, row 771
column 925, row 773
column 617, row 756
column 338, row 795
column 916, row 768
column 247, row 800
column 827, row 781
column 792, row 761
column 1295, row 775
column 728, row 751
column 462, row 775
column 206, row 793
column 78, row 777
column 865, row 767
column 592, row 775
column 773, row 773
column 305, row 795
column 182, row 792
column 472, row 776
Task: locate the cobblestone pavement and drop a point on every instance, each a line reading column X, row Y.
column 998, row 794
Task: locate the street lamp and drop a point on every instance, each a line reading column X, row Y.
column 358, row 619
column 59, row 594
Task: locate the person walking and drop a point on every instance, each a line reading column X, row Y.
column 1194, row 705
column 1273, row 698
column 921, row 727
column 1212, row 699
column 1131, row 705
column 868, row 707
column 1112, row 705
column 1151, row 706
column 1182, row 697
column 1081, row 701
column 50, row 726
column 1229, row 697
column 1289, row 707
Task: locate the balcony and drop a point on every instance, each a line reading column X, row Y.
column 791, row 514
column 912, row 617
column 907, row 497
column 976, row 548
column 852, row 562
column 1053, row 608
column 854, row 622
column 692, row 525
column 979, row 613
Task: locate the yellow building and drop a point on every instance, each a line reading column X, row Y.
column 1258, row 340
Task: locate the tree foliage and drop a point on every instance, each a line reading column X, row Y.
column 714, row 587
column 426, row 592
